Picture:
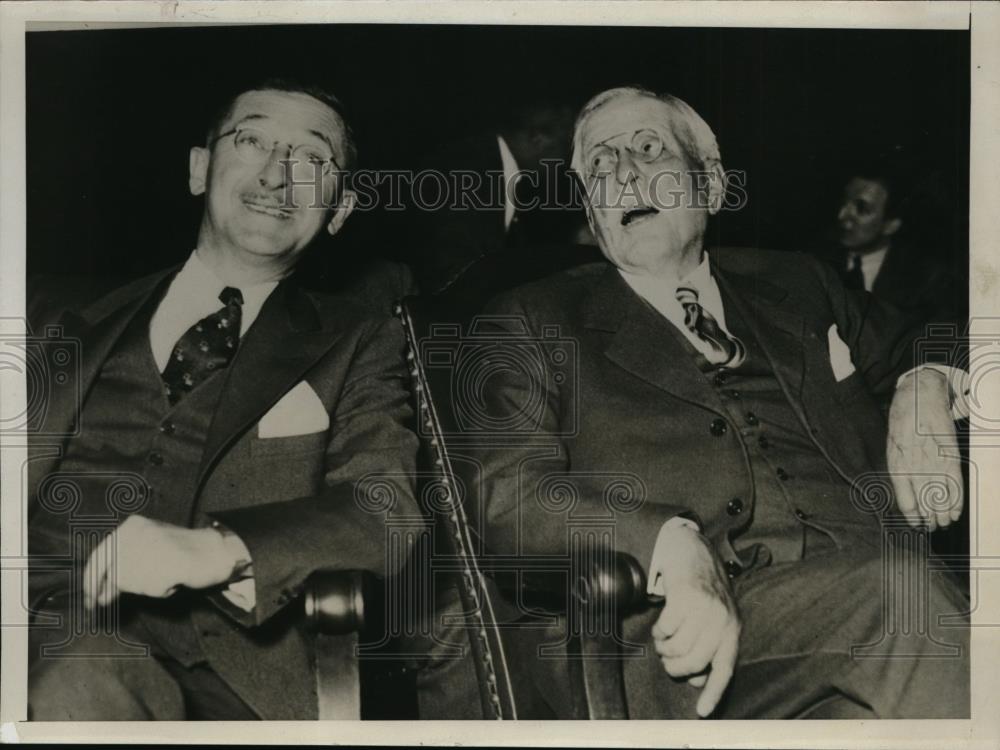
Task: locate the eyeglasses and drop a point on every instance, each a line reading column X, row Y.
column 256, row 147
column 645, row 147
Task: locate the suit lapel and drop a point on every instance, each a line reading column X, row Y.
column 649, row 346
column 644, row 343
column 777, row 328
column 285, row 340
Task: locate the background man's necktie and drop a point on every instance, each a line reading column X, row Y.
column 854, row 278
column 205, row 347
column 723, row 349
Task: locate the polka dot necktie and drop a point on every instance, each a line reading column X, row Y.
column 207, row 346
column 721, row 349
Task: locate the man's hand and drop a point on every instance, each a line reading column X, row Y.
column 152, row 558
column 922, row 451
column 699, row 627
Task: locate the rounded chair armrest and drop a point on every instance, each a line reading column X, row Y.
column 334, row 601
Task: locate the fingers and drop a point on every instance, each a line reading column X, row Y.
column 698, row 680
column 906, row 501
column 720, row 673
column 682, row 642
column 668, row 623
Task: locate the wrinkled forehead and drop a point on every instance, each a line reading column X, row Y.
column 626, row 115
column 289, row 116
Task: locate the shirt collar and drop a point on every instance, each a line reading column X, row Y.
column 200, row 279
column 651, row 287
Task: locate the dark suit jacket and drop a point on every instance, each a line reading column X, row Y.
column 628, row 426
column 293, row 500
column 921, row 284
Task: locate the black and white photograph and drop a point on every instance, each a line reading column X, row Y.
column 416, row 365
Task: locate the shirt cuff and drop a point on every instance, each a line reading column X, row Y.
column 654, row 584
column 958, row 386
column 241, row 591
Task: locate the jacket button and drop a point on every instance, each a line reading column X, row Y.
column 720, row 378
column 734, row 507
column 752, row 419
column 156, row 459
column 733, row 568
column 733, row 393
column 718, row 427
column 763, row 442
column 800, row 515
column 167, row 428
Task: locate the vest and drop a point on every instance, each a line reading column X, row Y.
column 790, row 475
column 128, row 425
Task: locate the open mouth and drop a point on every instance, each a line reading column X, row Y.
column 637, row 214
column 267, row 208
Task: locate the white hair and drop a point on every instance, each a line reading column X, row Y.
column 690, row 129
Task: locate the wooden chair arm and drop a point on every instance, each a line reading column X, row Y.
column 334, row 604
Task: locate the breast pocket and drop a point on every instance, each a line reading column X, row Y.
column 313, row 442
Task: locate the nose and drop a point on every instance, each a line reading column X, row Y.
column 625, row 168
column 844, row 213
column 272, row 173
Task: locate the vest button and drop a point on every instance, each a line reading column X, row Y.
column 720, row 378
column 752, row 419
column 167, row 428
column 762, row 442
column 733, row 393
column 800, row 515
column 783, row 475
column 733, row 568
column 734, row 507
column 718, row 427
column 156, row 459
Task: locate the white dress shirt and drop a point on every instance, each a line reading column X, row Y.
column 194, row 294
column 871, row 264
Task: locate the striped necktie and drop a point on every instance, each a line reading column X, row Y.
column 721, row 348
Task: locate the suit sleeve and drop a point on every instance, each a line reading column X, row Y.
column 368, row 483
column 881, row 338
column 535, row 499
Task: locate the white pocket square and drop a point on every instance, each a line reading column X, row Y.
column 299, row 412
column 840, row 355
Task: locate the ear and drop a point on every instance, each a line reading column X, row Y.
column 348, row 199
column 891, row 227
column 716, row 185
column 198, row 169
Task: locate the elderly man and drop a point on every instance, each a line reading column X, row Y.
column 736, row 392
column 242, row 413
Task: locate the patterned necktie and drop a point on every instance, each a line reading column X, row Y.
column 854, row 278
column 205, row 347
column 723, row 349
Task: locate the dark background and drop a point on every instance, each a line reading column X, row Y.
column 111, row 116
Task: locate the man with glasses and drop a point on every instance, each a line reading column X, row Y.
column 243, row 414
column 735, row 393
